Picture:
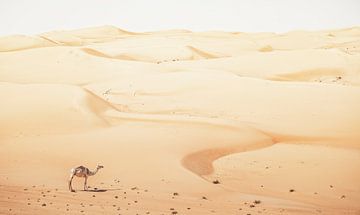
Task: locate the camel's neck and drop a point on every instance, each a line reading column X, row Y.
column 93, row 172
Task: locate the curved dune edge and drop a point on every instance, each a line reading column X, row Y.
column 265, row 172
column 201, row 162
column 69, row 109
column 201, row 54
column 101, row 54
column 22, row 42
column 325, row 75
column 196, row 54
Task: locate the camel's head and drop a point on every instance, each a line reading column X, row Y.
column 99, row 166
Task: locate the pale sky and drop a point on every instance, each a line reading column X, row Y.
column 37, row 16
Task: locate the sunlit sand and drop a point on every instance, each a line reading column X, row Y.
column 184, row 122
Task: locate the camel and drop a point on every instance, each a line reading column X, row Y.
column 82, row 171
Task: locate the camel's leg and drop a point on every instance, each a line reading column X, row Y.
column 70, row 183
column 85, row 183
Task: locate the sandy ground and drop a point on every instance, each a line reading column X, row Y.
column 184, row 122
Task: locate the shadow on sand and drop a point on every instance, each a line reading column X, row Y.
column 95, row 190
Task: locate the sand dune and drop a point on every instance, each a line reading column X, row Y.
column 167, row 54
column 63, row 38
column 55, row 108
column 300, row 65
column 86, row 35
column 20, row 42
column 184, row 122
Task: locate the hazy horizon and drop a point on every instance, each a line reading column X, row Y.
column 32, row 17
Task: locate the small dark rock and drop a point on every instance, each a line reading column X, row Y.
column 257, row 202
column 216, row 182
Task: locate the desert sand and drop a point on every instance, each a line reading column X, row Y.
column 184, row 122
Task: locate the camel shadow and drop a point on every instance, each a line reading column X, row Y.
column 95, row 190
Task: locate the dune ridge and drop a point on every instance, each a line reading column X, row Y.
column 62, row 38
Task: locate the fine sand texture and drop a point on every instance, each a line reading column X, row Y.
column 183, row 122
